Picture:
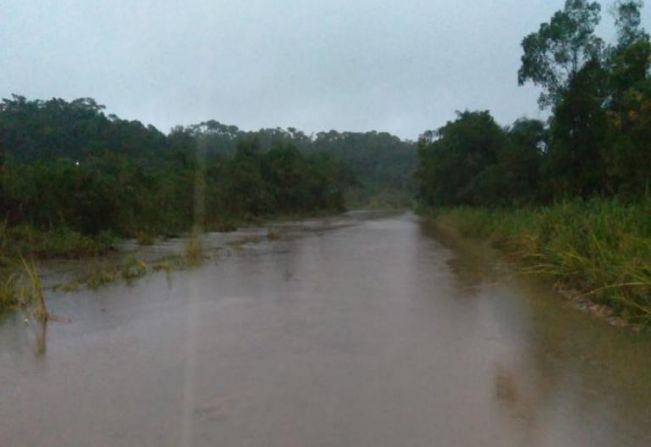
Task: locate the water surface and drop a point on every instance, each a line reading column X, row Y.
column 369, row 329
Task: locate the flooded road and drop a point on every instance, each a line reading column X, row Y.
column 362, row 330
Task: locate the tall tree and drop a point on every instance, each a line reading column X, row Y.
column 628, row 154
column 574, row 165
column 628, row 20
column 453, row 158
column 560, row 48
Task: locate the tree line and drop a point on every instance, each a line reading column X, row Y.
column 68, row 165
column 596, row 143
column 378, row 160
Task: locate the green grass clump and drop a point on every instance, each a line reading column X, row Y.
column 601, row 248
column 19, row 281
column 133, row 268
column 21, row 288
column 27, row 241
column 101, row 277
column 32, row 292
column 193, row 249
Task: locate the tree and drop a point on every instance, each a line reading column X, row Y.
column 628, row 153
column 460, row 151
column 575, row 165
column 628, row 21
column 515, row 178
column 553, row 55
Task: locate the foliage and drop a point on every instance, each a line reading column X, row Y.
column 103, row 163
column 603, row 254
column 596, row 143
column 472, row 160
column 131, row 197
column 34, row 130
column 379, row 161
column 570, row 196
column 73, row 179
column 554, row 54
column 193, row 249
column 574, row 164
column 61, row 242
column 21, row 288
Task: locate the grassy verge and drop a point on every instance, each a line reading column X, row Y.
column 600, row 249
column 30, row 242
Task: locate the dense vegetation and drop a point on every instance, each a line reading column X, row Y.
column 597, row 141
column 73, row 179
column 571, row 193
column 381, row 163
column 68, row 167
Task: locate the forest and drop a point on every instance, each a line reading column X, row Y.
column 74, row 178
column 572, row 195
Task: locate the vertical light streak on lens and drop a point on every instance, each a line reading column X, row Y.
column 193, row 302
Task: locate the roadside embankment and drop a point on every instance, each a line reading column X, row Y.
column 598, row 250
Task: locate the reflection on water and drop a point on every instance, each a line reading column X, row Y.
column 567, row 362
column 364, row 330
column 41, row 337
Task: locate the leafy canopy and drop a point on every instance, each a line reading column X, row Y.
column 560, row 48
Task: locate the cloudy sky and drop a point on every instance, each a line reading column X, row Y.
column 397, row 65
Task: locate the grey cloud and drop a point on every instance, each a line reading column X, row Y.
column 401, row 66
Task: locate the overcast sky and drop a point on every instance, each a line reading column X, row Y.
column 401, row 66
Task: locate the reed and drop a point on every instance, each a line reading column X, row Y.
column 20, row 287
column 33, row 293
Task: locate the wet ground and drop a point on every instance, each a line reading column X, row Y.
column 368, row 329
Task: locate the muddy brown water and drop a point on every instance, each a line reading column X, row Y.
column 369, row 329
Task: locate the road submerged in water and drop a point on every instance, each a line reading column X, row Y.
column 368, row 329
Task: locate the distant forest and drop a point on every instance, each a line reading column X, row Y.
column 69, row 164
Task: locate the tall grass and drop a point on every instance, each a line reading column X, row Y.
column 193, row 249
column 33, row 293
column 21, row 288
column 600, row 248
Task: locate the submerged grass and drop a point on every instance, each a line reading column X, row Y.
column 21, row 288
column 193, row 249
column 129, row 270
column 19, row 280
column 33, row 293
column 600, row 248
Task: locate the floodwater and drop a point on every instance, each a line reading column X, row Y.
column 368, row 329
